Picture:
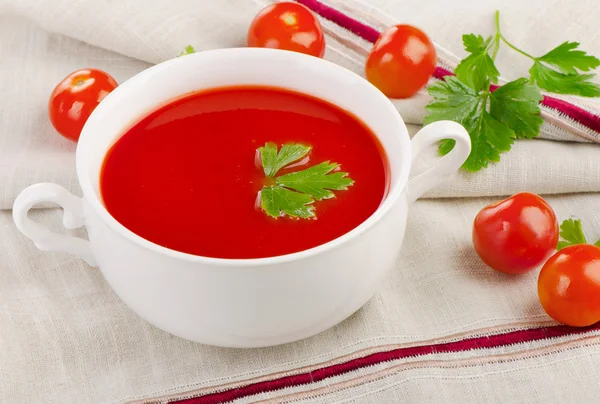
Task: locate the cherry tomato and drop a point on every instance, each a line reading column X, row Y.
column 288, row 26
column 74, row 99
column 516, row 234
column 401, row 62
column 569, row 285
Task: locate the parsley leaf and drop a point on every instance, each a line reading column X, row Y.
column 188, row 50
column 276, row 200
column 489, row 138
column 475, row 43
column 516, row 104
column 452, row 100
column 477, row 70
column 273, row 160
column 556, row 82
column 568, row 59
column 494, row 118
column 572, row 233
column 458, row 102
column 294, row 194
column 317, row 181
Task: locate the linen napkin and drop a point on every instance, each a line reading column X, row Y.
column 443, row 328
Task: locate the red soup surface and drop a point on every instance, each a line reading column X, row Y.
column 187, row 176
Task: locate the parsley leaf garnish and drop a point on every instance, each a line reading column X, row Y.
column 572, row 233
column 317, row 181
column 276, row 200
column 294, row 193
column 494, row 118
column 273, row 161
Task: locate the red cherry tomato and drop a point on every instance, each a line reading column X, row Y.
column 569, row 285
column 517, row 234
column 288, row 26
column 401, row 62
column 74, row 99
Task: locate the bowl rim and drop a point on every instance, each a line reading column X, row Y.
column 393, row 197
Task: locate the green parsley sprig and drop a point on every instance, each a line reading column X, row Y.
column 571, row 233
column 494, row 118
column 294, row 193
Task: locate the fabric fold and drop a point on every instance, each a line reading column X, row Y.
column 67, row 338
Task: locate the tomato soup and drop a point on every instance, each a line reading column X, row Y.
column 188, row 176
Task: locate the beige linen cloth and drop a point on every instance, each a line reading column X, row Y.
column 66, row 338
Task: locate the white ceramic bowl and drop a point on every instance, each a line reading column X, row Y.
column 253, row 302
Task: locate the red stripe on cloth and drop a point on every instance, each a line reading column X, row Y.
column 370, row 34
column 490, row 341
column 364, row 31
column 580, row 115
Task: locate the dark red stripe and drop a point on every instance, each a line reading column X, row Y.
column 574, row 112
column 491, row 341
column 440, row 73
column 370, row 34
column 356, row 27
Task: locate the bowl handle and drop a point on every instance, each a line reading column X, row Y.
column 447, row 165
column 43, row 238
